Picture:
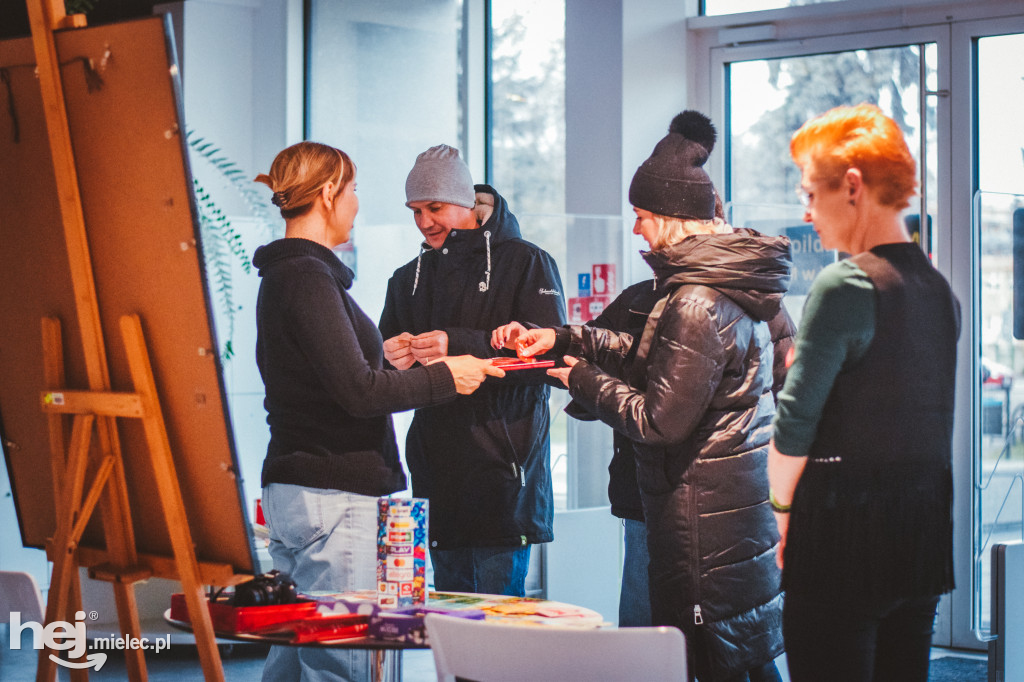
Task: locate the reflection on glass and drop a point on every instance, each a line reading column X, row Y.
column 592, row 275
column 384, row 85
column 999, row 279
column 770, row 99
column 527, row 105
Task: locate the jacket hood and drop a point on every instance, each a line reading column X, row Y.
column 278, row 251
column 750, row 268
column 497, row 224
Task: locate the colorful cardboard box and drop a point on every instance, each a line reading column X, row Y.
column 401, row 552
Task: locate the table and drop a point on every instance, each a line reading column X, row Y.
column 388, row 665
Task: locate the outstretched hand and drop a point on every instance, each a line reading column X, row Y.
column 469, row 372
column 526, row 342
column 505, row 336
column 562, row 373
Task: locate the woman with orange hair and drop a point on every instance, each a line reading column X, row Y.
column 859, row 463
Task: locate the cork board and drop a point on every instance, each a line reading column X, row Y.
column 126, row 127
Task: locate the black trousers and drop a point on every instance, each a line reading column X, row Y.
column 858, row 643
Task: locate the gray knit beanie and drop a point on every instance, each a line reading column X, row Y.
column 440, row 174
column 673, row 182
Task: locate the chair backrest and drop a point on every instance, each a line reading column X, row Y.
column 500, row 652
column 20, row 592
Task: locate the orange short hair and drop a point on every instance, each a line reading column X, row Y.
column 859, row 137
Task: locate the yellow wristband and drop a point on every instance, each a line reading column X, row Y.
column 780, row 508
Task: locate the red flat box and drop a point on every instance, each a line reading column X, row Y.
column 319, row 628
column 236, row 619
column 515, row 363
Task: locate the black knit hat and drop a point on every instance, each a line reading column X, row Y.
column 672, row 181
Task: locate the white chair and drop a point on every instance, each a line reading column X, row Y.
column 499, row 652
column 20, row 592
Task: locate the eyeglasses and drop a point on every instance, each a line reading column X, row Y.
column 804, row 196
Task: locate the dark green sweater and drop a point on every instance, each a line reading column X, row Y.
column 836, row 329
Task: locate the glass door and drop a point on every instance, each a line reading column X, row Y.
column 998, row 222
column 768, row 99
column 957, row 90
column 763, row 93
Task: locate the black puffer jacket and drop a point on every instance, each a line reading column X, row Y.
column 698, row 405
column 628, row 313
column 484, row 459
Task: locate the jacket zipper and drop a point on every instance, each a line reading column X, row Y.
column 520, row 473
column 698, row 618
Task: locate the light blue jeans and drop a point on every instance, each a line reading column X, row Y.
column 326, row 540
column 635, row 597
column 488, row 570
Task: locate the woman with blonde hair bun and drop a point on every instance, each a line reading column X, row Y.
column 329, row 401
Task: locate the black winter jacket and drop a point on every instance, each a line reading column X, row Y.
column 628, row 313
column 698, row 404
column 328, row 398
column 483, row 461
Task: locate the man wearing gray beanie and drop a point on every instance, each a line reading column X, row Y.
column 483, row 460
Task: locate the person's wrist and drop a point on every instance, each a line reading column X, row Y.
column 777, row 506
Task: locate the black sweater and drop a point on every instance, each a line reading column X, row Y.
column 328, row 400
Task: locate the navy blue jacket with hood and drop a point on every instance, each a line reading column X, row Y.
column 483, row 460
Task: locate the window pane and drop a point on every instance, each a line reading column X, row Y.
column 999, row 226
column 528, row 104
column 770, row 99
column 719, row 7
column 384, row 84
column 527, row 141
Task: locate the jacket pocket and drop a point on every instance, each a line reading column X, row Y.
column 294, row 514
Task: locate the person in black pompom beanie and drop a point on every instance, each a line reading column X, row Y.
column 672, row 181
column 692, row 388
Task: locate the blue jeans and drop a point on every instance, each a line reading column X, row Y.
column 326, row 540
column 635, row 597
column 488, row 570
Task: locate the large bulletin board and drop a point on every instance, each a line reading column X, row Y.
column 123, row 108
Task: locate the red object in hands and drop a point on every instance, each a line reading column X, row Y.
column 515, row 363
column 521, row 345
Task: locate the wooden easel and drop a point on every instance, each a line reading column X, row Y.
column 95, row 411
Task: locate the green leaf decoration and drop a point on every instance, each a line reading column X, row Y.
column 221, row 242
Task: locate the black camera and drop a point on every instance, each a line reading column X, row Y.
column 269, row 589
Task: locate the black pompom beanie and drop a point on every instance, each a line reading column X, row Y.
column 672, row 181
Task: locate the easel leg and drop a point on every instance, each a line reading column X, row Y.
column 128, row 617
column 64, row 542
column 74, row 606
column 159, row 448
